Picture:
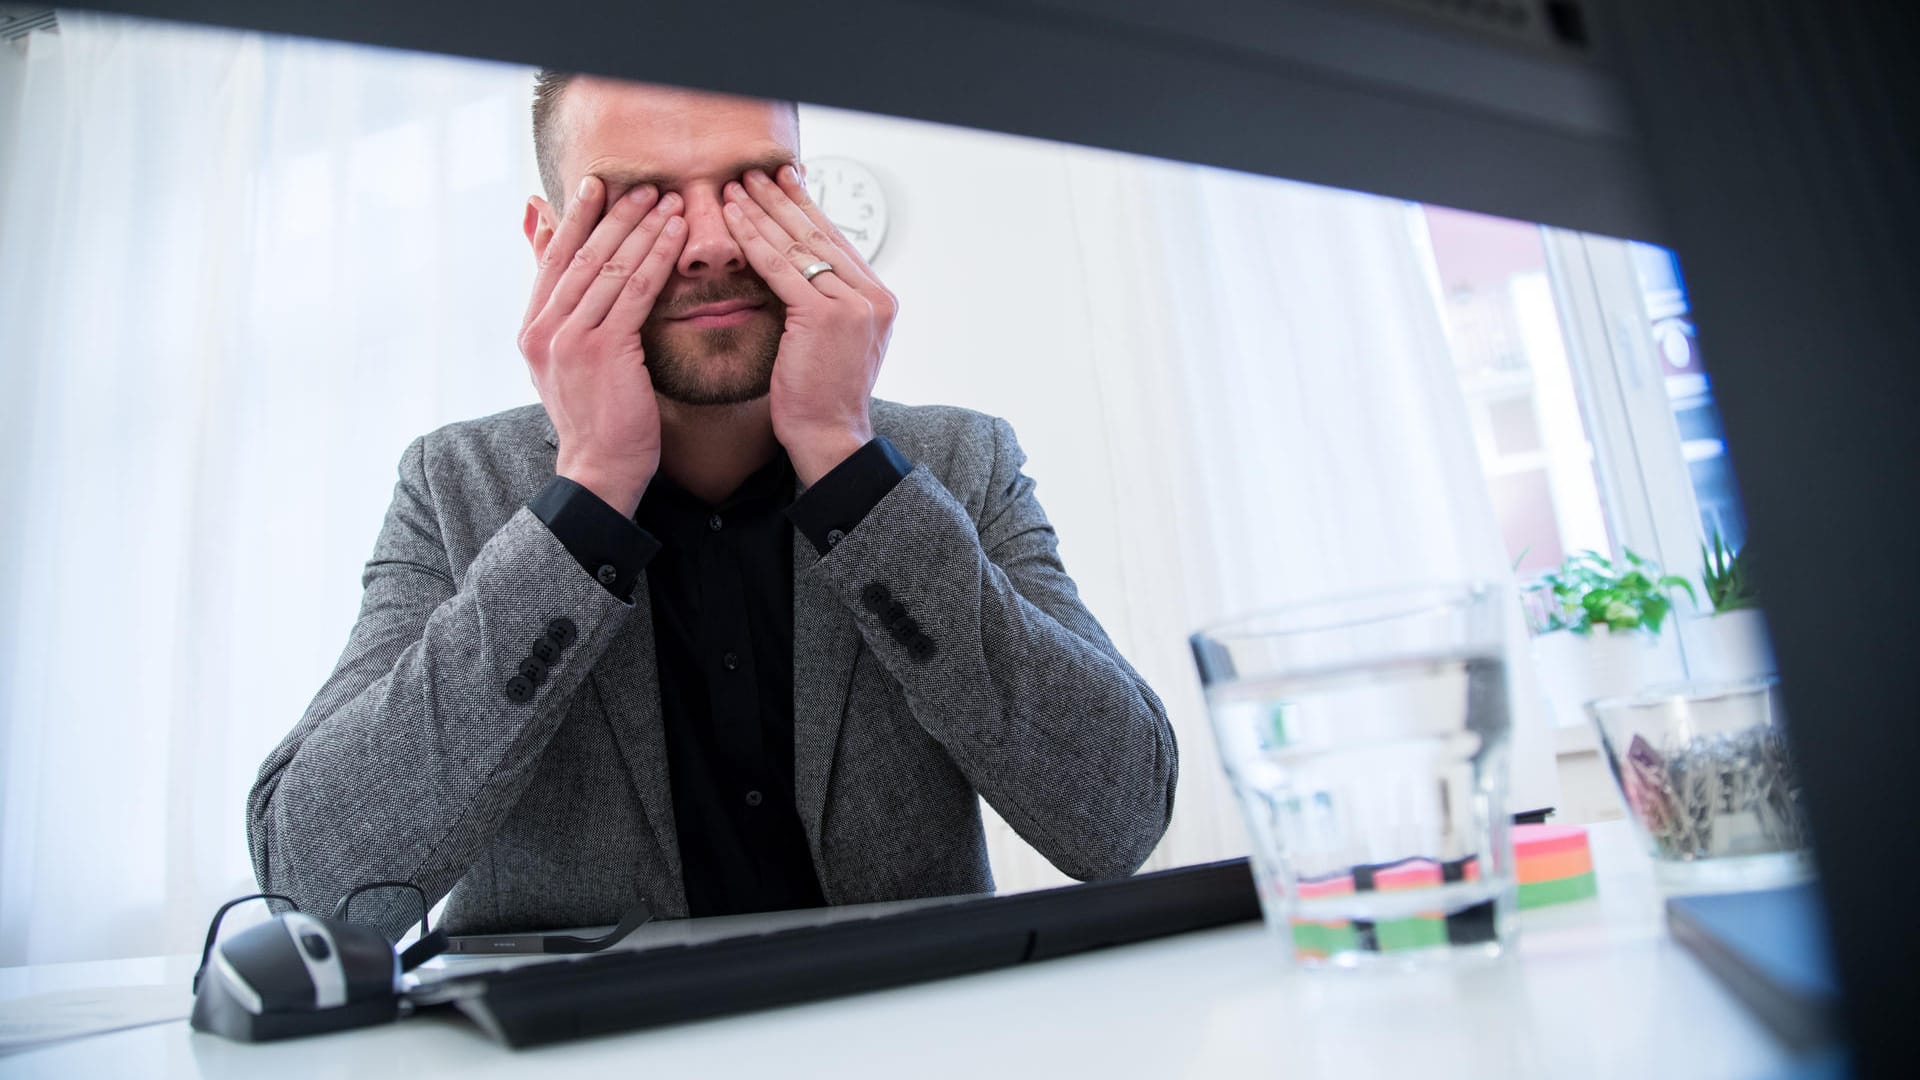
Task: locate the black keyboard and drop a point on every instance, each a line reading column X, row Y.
column 628, row 989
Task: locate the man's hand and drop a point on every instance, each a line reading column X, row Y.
column 837, row 324
column 597, row 282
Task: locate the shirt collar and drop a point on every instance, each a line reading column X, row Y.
column 769, row 488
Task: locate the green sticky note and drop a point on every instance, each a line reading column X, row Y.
column 1415, row 933
column 1321, row 939
column 1559, row 891
column 1340, row 938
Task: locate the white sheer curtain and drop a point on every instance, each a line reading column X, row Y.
column 242, row 272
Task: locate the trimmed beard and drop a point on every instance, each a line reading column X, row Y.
column 730, row 365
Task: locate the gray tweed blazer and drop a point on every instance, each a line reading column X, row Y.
column 413, row 764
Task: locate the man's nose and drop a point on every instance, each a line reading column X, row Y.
column 711, row 250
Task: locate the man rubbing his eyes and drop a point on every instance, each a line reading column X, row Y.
column 709, row 625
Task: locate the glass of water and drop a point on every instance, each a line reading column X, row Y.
column 1366, row 740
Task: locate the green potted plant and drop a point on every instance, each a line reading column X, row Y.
column 1730, row 642
column 1597, row 629
column 1588, row 591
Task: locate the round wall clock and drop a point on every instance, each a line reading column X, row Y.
column 849, row 194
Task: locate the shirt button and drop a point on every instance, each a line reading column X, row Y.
column 714, row 523
column 607, row 575
column 834, row 536
column 753, row 798
column 730, row 661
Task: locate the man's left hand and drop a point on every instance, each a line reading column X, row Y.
column 837, row 324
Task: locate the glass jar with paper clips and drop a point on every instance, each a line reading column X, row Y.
column 1704, row 771
column 1366, row 738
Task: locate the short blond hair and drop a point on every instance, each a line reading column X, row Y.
column 548, row 86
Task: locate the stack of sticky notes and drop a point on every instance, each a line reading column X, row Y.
column 1422, row 931
column 1315, row 939
column 1554, row 863
column 1318, row 939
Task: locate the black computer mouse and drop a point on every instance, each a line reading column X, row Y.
column 297, row 974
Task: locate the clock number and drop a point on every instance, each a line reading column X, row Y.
column 847, row 194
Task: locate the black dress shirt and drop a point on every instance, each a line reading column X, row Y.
column 720, row 581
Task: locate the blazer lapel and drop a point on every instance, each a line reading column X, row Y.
column 627, row 682
column 825, row 644
column 627, row 679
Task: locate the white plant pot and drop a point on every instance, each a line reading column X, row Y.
column 1577, row 668
column 1730, row 646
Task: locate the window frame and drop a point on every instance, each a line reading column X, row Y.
column 1645, row 484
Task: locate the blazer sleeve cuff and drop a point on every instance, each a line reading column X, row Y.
column 826, row 512
column 612, row 548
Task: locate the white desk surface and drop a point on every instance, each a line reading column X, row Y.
column 1594, row 989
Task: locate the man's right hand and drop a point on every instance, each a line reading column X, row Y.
column 597, row 281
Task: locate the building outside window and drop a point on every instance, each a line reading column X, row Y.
column 1703, row 445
